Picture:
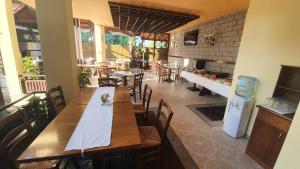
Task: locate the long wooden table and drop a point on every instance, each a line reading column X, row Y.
column 51, row 143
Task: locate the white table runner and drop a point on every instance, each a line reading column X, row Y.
column 213, row 85
column 95, row 124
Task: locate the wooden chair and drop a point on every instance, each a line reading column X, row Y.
column 101, row 64
column 111, row 71
column 56, row 99
column 137, row 85
column 142, row 109
column 16, row 139
column 155, row 69
column 162, row 73
column 177, row 72
column 102, row 72
column 153, row 138
column 104, row 82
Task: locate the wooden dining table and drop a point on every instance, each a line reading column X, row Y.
column 51, row 142
column 124, row 75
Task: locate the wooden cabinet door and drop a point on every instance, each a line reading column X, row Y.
column 265, row 143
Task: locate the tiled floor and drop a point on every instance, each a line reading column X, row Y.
column 209, row 147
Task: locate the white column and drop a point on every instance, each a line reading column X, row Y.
column 55, row 23
column 98, row 43
column 78, row 42
column 10, row 49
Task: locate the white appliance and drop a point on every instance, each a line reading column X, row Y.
column 237, row 116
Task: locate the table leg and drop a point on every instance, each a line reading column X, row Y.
column 204, row 92
column 194, row 88
column 125, row 80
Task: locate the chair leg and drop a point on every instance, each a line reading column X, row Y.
column 134, row 95
column 161, row 160
column 140, row 92
column 146, row 119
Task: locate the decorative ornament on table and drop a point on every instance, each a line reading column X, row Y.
column 105, row 99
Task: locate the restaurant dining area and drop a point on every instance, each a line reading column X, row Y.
column 140, row 84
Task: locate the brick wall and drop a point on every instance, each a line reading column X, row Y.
column 227, row 30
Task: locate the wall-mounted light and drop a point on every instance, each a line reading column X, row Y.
column 210, row 39
column 174, row 44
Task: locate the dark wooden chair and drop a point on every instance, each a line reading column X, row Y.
column 104, row 82
column 154, row 137
column 142, row 109
column 16, row 138
column 107, row 73
column 136, row 88
column 56, row 99
column 111, row 71
column 102, row 72
column 162, row 73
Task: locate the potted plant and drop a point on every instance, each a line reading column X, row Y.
column 38, row 112
column 30, row 69
column 84, row 76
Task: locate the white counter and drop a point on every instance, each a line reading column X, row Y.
column 213, row 85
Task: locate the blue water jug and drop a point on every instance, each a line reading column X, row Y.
column 245, row 86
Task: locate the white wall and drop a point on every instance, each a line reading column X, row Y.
column 270, row 39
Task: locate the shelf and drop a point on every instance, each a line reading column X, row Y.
column 287, row 88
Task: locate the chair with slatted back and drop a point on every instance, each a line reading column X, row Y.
column 16, row 136
column 142, row 109
column 111, row 71
column 106, row 82
column 154, row 137
column 56, row 99
column 137, row 85
column 102, row 64
column 102, row 72
column 162, row 74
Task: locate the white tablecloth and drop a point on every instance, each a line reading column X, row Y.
column 123, row 73
column 94, row 127
column 213, row 85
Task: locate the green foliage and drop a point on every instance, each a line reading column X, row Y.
column 85, row 36
column 29, row 68
column 37, row 108
column 111, row 39
column 84, row 75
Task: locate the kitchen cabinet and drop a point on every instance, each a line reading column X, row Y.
column 270, row 127
column 268, row 135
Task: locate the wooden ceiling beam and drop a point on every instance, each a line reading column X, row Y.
column 127, row 23
column 119, row 19
column 137, row 19
column 141, row 25
column 141, row 19
column 150, row 9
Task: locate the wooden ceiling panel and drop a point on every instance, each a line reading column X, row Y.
column 140, row 19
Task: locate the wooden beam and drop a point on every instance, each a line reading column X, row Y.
column 141, row 19
column 149, row 9
column 134, row 24
column 141, row 25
